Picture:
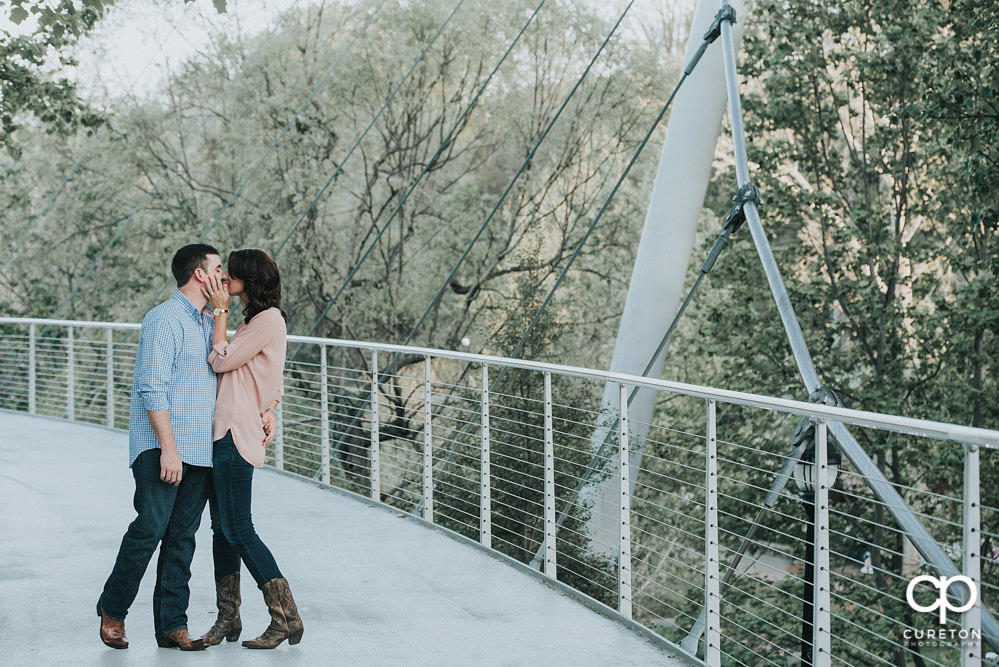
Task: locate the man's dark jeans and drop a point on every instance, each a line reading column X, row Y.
column 168, row 514
column 233, row 535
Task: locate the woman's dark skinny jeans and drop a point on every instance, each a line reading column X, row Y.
column 233, row 536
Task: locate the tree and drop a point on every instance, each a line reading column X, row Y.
column 26, row 87
column 867, row 126
column 961, row 111
column 517, row 459
column 221, row 184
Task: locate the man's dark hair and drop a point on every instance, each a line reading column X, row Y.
column 189, row 258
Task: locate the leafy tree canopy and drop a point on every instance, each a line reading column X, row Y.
column 31, row 64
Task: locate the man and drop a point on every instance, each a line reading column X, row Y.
column 170, row 454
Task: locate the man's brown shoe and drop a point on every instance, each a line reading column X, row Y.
column 180, row 639
column 112, row 631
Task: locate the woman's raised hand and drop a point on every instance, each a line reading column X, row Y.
column 216, row 292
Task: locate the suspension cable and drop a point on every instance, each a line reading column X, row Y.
column 710, row 37
column 364, row 134
column 284, row 130
column 523, row 167
column 444, row 144
column 65, row 179
column 166, row 170
column 492, row 213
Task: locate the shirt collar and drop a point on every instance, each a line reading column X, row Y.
column 186, row 304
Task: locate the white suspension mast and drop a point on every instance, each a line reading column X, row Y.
column 657, row 279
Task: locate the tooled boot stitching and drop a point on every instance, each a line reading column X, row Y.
column 228, row 624
column 285, row 621
column 295, row 626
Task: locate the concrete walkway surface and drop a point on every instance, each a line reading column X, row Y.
column 372, row 588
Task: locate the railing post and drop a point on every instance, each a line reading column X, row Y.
column 109, row 355
column 821, row 595
column 375, row 447
column 551, row 568
column 32, row 388
column 324, row 414
column 485, row 486
column 971, row 620
column 712, row 573
column 279, row 436
column 428, row 450
column 70, row 375
column 624, row 543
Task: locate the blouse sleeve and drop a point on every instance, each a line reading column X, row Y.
column 245, row 344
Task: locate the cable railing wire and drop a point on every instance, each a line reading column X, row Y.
column 242, row 186
column 166, row 170
column 666, row 554
column 592, row 468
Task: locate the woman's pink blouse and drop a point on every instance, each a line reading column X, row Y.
column 251, row 372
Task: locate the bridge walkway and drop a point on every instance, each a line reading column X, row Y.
column 373, row 588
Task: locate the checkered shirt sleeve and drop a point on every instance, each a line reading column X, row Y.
column 172, row 373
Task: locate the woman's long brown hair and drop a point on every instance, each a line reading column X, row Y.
column 261, row 280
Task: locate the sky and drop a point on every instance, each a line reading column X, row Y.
column 139, row 42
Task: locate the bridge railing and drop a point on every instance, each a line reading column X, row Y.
column 501, row 452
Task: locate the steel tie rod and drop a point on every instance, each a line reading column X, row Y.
column 875, row 479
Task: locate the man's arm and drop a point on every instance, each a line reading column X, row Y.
column 171, row 468
column 154, row 361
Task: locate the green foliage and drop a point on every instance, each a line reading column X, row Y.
column 871, row 125
column 27, row 87
column 879, row 247
column 518, row 459
column 327, row 189
column 868, row 123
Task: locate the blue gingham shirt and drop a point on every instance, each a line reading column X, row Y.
column 172, row 373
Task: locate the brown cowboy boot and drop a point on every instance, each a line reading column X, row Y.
column 112, row 631
column 180, row 639
column 285, row 621
column 228, row 625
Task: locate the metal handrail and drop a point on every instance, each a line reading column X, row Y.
column 699, row 484
column 921, row 427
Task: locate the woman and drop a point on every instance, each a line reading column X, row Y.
column 250, row 368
